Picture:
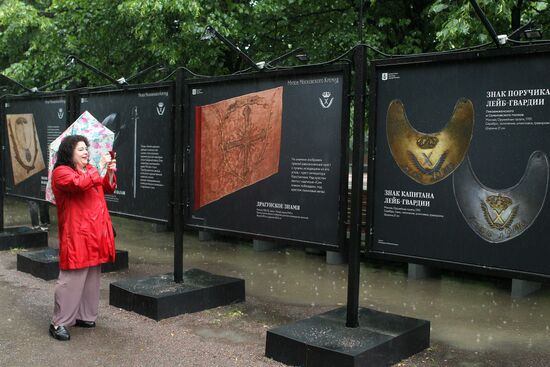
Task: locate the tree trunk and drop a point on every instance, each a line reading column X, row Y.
column 516, row 17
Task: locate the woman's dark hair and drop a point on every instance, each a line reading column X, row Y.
column 66, row 149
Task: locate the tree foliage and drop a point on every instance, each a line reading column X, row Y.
column 458, row 26
column 125, row 36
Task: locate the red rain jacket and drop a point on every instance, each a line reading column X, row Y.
column 85, row 229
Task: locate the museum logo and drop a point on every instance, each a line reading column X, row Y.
column 389, row 76
column 326, row 100
column 161, row 108
column 60, row 113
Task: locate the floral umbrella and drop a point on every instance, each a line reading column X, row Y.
column 100, row 138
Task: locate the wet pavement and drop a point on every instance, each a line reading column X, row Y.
column 474, row 320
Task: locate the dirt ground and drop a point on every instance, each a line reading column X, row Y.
column 226, row 336
column 234, row 335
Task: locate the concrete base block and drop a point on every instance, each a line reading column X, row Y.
column 159, row 297
column 314, row 251
column 261, row 245
column 206, row 236
column 417, row 272
column 523, row 288
column 22, row 237
column 159, row 228
column 382, row 339
column 335, row 258
column 44, row 263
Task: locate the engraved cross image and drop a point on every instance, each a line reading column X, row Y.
column 427, row 159
column 498, row 217
column 247, row 139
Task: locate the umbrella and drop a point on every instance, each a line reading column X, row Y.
column 100, row 138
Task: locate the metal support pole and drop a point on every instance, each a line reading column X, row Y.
column 178, row 179
column 486, row 22
column 44, row 211
column 70, row 106
column 2, row 163
column 284, row 56
column 352, row 319
column 56, row 82
column 71, row 59
column 212, row 31
column 34, row 212
column 16, row 83
column 361, row 20
column 139, row 74
column 516, row 34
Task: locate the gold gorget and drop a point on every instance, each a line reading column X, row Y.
column 428, row 158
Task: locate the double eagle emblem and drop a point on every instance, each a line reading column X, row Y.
column 499, row 204
column 427, row 158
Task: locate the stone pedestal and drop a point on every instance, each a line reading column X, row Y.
column 44, row 263
column 382, row 339
column 159, row 297
column 22, row 237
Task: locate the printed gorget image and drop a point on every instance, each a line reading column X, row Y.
column 428, row 158
column 500, row 215
column 25, row 151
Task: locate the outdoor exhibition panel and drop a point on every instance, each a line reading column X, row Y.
column 30, row 123
column 141, row 117
column 267, row 154
column 459, row 160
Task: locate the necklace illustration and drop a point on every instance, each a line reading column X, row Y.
column 23, row 142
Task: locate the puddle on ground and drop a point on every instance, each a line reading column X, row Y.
column 226, row 335
column 466, row 312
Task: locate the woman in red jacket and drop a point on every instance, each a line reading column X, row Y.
column 86, row 237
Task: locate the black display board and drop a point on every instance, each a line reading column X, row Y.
column 142, row 119
column 459, row 151
column 45, row 114
column 266, row 154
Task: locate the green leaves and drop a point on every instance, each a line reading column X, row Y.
column 125, row 36
column 459, row 26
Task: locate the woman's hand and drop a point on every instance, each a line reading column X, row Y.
column 111, row 167
column 105, row 161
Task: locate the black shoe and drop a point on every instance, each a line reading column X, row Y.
column 60, row 333
column 86, row 324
